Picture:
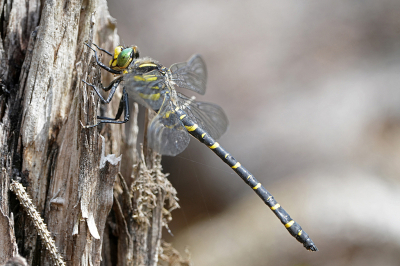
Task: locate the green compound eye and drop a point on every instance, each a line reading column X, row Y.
column 123, row 57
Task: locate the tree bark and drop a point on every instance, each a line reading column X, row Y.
column 69, row 171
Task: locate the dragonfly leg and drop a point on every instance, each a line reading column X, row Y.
column 100, row 63
column 123, row 107
column 103, row 50
column 112, row 87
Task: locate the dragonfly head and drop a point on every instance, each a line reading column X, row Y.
column 123, row 56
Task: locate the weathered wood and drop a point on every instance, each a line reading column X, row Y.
column 64, row 166
column 69, row 171
column 19, row 21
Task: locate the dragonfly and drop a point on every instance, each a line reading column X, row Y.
column 178, row 116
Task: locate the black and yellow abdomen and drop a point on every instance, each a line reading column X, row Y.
column 293, row 227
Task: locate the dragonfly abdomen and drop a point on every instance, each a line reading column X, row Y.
column 293, row 227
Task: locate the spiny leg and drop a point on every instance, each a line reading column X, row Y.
column 124, row 104
column 100, row 63
column 113, row 86
column 123, row 107
column 103, row 50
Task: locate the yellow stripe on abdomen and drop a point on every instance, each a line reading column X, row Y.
column 192, row 128
column 215, row 145
column 236, row 165
column 276, row 206
column 289, row 224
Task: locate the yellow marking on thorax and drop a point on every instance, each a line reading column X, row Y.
column 257, row 186
column 276, row 206
column 167, row 114
column 147, row 65
column 182, row 116
column 203, row 135
column 300, row 232
column 150, row 77
column 236, row 165
column 192, row 128
column 289, row 224
column 215, row 145
column 153, row 97
column 138, row 78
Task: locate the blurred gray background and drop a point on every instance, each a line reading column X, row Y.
column 312, row 91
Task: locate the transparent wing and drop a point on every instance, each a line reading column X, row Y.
column 208, row 116
column 147, row 89
column 166, row 134
column 190, row 75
